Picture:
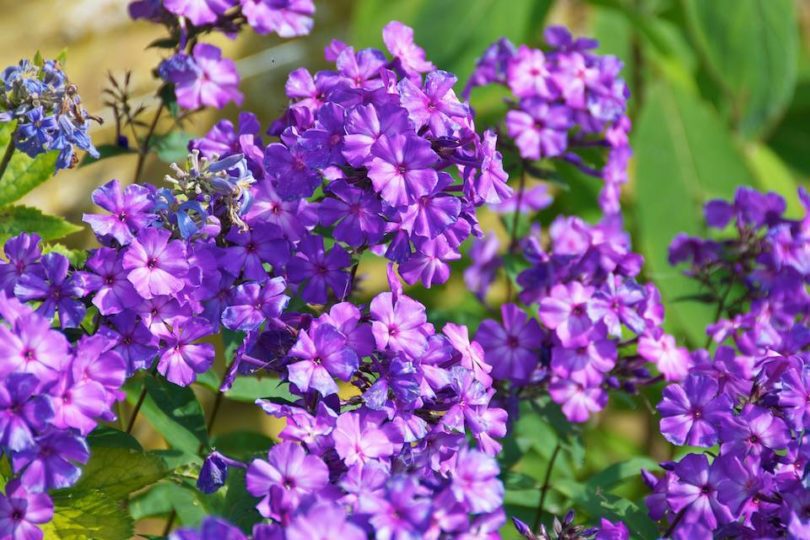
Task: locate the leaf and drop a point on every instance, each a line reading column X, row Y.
column 239, row 506
column 750, row 48
column 454, row 33
column 250, row 389
column 165, row 497
column 23, row 173
column 171, row 147
column 17, row 219
column 175, row 412
column 105, row 151
column 77, row 257
column 119, row 472
column 685, row 156
column 242, row 444
column 87, row 514
column 620, row 472
column 107, row 437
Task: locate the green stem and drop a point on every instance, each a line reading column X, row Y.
column 7, row 156
column 544, row 489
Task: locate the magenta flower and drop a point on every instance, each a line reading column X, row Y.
column 359, row 439
column 399, row 324
column 565, row 312
column 254, row 303
column 512, row 349
column 490, row 185
column 539, row 130
column 31, row 346
column 156, row 264
column 23, row 253
column 323, row 355
column 585, row 364
column 203, row 80
column 365, row 124
column 288, row 475
column 430, row 263
column 319, row 270
column 323, row 521
column 181, row 359
column 578, row 401
column 435, row 105
column 692, row 412
column 398, row 38
column 199, row 12
column 78, row 401
column 528, row 74
column 673, row 362
column 472, row 355
column 21, row 511
column 130, row 211
column 476, row 483
column 287, row 18
column 402, row 168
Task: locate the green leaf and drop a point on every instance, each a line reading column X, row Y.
column 751, row 49
column 87, row 514
column 119, row 472
column 17, row 219
column 107, row 437
column 23, row 173
column 242, row 444
column 454, row 33
column 77, row 257
column 172, row 147
column 250, row 389
column 620, row 472
column 175, row 413
column 239, row 506
column 165, row 497
column 685, row 156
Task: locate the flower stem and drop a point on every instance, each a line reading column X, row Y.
column 7, row 156
column 544, row 489
column 137, row 409
column 675, row 522
column 143, row 151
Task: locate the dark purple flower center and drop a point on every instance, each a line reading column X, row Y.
column 512, row 342
column 152, row 263
column 109, row 279
column 250, row 247
column 122, row 216
column 29, row 355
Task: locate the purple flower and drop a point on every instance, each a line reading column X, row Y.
column 22, row 253
column 199, row 12
column 756, row 429
column 319, row 270
column 742, row 482
column 429, row 264
column 292, row 177
column 528, row 74
column 288, row 475
column 436, row 105
column 476, row 483
column 612, row 531
column 78, row 401
column 433, row 212
column 322, row 144
column 181, row 359
column 472, row 355
column 53, row 462
column 249, row 250
column 578, row 401
column 23, row 411
column 359, row 439
column 130, row 211
column 365, row 124
column 673, row 362
column 512, row 349
column 692, row 412
column 254, row 303
column 539, row 130
column 565, row 312
column 54, row 289
column 31, row 346
column 794, row 396
column 323, row 355
column 134, row 342
column 490, row 185
column 323, row 521
column 617, row 302
column 399, row 324
column 402, row 168
column 585, row 363
column 21, row 511
column 398, row 38
column 206, row 79
column 212, row 528
column 356, row 212
column 287, row 18
column 695, row 492
column 156, row 264
column 113, row 291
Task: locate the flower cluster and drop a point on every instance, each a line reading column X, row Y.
column 569, row 100
column 600, row 326
column 748, row 403
column 394, row 155
column 47, row 110
column 199, row 74
column 377, row 437
column 54, row 392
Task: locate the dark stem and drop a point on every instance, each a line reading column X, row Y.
column 169, row 522
column 513, row 239
column 675, row 522
column 544, row 489
column 137, row 409
column 144, row 149
column 7, row 156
